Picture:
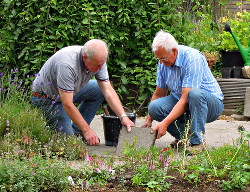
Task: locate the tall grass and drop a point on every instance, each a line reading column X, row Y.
column 23, row 128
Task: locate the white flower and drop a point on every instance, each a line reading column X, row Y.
column 71, row 180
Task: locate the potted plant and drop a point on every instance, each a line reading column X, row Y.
column 230, row 54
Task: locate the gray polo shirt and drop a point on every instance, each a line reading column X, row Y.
column 65, row 70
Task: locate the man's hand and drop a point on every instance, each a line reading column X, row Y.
column 128, row 123
column 161, row 129
column 91, row 137
column 147, row 124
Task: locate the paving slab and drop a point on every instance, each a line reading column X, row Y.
column 217, row 134
column 247, row 103
column 139, row 137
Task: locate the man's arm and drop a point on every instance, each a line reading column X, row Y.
column 76, row 117
column 114, row 102
column 176, row 112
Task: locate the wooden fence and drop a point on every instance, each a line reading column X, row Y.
column 236, row 6
column 231, row 7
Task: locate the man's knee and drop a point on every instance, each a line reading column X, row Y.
column 95, row 86
column 194, row 94
column 153, row 108
column 96, row 89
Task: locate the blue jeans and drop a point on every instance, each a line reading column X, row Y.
column 203, row 108
column 89, row 97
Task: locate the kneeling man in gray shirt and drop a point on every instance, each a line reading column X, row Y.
column 66, row 79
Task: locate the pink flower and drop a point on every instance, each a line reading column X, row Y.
column 110, row 169
column 101, row 165
column 87, row 157
column 148, row 157
column 160, row 157
column 165, row 164
column 98, row 170
column 152, row 166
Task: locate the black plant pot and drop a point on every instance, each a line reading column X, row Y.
column 112, row 126
column 231, row 59
column 231, row 72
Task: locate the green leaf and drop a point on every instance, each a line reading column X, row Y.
column 85, row 21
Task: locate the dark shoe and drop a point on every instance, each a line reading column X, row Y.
column 194, row 149
column 177, row 144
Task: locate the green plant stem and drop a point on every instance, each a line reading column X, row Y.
column 233, row 157
column 210, row 159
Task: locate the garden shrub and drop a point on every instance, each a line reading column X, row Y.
column 31, row 31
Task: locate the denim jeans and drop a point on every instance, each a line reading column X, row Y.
column 203, row 108
column 89, row 97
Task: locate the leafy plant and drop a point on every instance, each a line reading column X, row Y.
column 205, row 36
column 238, row 180
column 240, row 109
column 239, row 24
column 227, row 163
column 151, row 167
column 35, row 174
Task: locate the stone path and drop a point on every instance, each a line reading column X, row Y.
column 217, row 134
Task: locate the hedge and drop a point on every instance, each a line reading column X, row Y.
column 33, row 30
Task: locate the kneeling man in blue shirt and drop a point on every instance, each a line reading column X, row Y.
column 195, row 95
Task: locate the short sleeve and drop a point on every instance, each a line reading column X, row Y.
column 102, row 75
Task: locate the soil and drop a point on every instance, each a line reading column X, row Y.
column 123, row 183
column 225, row 117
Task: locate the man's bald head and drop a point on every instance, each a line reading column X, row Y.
column 95, row 47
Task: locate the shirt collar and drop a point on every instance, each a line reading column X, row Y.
column 178, row 62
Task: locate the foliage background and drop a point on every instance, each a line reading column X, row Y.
column 31, row 31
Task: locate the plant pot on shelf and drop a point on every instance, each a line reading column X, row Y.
column 232, row 64
column 231, row 59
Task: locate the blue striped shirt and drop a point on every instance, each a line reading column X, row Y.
column 190, row 70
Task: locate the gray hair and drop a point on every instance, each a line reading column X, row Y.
column 164, row 40
column 93, row 47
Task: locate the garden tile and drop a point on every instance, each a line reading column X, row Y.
column 100, row 150
column 247, row 103
column 140, row 137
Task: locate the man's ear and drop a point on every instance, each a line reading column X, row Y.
column 175, row 51
column 84, row 57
